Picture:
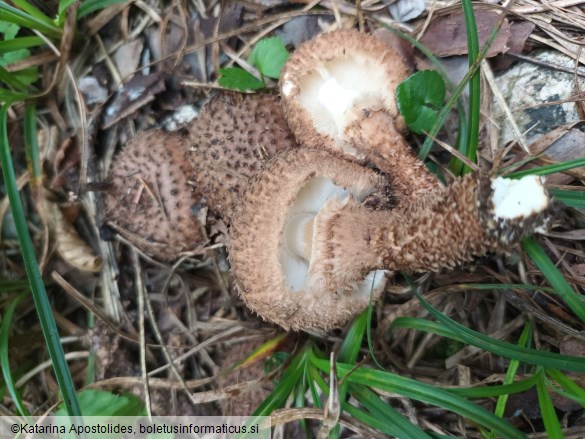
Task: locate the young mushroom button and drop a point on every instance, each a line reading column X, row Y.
column 307, row 248
column 338, row 92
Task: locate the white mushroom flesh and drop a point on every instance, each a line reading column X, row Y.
column 520, row 198
column 336, row 93
column 296, row 248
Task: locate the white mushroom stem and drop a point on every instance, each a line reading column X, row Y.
column 469, row 218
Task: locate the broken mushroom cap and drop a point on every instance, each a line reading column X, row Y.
column 307, row 247
column 339, row 93
column 230, row 140
column 149, row 199
column 272, row 239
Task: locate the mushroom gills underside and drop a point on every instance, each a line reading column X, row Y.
column 296, row 248
column 337, row 91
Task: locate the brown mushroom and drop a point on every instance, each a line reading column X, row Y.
column 310, row 265
column 338, row 92
column 272, row 239
column 159, row 180
column 149, row 199
column 230, row 140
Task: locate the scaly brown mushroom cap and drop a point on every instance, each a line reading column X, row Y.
column 149, row 200
column 339, row 93
column 343, row 241
column 270, row 245
column 230, row 140
column 158, row 178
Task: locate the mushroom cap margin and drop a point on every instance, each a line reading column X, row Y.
column 322, row 49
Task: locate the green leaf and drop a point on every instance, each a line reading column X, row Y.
column 269, row 55
column 102, row 403
column 420, row 98
column 235, row 78
column 9, row 30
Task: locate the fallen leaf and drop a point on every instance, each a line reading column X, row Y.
column 447, row 36
column 74, row 250
column 139, row 91
column 127, row 57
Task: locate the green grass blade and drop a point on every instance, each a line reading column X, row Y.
column 451, row 329
column 31, row 10
column 511, row 374
column 286, row 385
column 569, row 198
column 547, row 409
column 11, row 79
column 572, row 390
column 495, row 391
column 368, row 419
column 422, row 392
column 31, row 147
column 428, row 143
column 5, row 360
column 399, row 426
column 20, row 43
column 41, row 300
column 472, row 139
column 554, row 277
column 13, row 15
column 549, row 169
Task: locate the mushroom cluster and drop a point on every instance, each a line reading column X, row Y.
column 315, row 228
column 160, row 180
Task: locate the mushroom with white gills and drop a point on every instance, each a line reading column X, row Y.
column 345, row 242
column 338, row 92
column 270, row 241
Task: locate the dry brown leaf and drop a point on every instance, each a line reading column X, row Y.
column 74, row 250
column 447, row 36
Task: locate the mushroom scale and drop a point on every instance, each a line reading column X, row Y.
column 274, row 283
column 338, row 93
column 352, row 243
column 149, row 200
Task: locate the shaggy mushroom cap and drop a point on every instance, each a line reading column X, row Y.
column 272, row 236
column 149, row 199
column 307, row 247
column 230, row 140
column 339, row 93
column 159, row 180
